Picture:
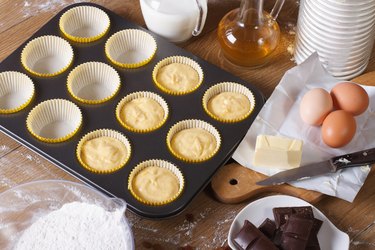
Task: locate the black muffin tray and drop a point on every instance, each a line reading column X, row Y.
column 144, row 146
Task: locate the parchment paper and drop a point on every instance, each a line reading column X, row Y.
column 280, row 116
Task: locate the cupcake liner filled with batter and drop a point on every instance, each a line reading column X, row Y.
column 142, row 112
column 156, row 182
column 103, row 151
column 177, row 75
column 193, row 140
column 228, row 102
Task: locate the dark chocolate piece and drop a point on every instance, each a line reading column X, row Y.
column 296, row 233
column 245, row 236
column 282, row 214
column 250, row 238
column 304, row 212
column 268, row 228
column 277, row 238
column 313, row 242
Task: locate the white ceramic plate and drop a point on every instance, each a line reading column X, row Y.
column 330, row 238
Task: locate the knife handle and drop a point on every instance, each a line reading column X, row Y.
column 356, row 159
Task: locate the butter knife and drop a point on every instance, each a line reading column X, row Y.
column 356, row 159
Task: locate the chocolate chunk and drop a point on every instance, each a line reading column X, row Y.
column 313, row 242
column 245, row 236
column 296, row 232
column 249, row 237
column 304, row 212
column 282, row 214
column 277, row 238
column 268, row 228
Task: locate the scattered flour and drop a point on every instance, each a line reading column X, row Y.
column 76, row 225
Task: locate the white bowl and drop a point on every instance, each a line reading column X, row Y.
column 329, row 236
column 24, row 204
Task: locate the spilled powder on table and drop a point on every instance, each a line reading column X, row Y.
column 363, row 244
column 3, row 148
column 30, row 7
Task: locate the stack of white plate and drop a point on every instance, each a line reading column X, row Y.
column 341, row 31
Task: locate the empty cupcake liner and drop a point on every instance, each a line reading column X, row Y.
column 93, row 82
column 84, row 24
column 192, row 123
column 16, row 91
column 182, row 60
column 54, row 120
column 104, row 133
column 157, row 163
column 47, row 56
column 130, row 48
column 228, row 87
column 137, row 95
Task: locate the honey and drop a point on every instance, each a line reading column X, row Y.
column 248, row 36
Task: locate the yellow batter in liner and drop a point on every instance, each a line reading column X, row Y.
column 178, row 77
column 194, row 143
column 103, row 153
column 155, row 184
column 229, row 105
column 142, row 113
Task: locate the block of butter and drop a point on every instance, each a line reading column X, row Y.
column 277, row 152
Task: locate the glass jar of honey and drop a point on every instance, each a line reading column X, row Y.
column 248, row 35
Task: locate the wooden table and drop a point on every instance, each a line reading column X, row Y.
column 205, row 223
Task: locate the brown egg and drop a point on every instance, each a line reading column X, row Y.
column 315, row 106
column 350, row 97
column 338, row 128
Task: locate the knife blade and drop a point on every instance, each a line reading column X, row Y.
column 356, row 159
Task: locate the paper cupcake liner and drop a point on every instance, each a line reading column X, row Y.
column 161, row 164
column 93, row 82
column 228, row 87
column 16, row 91
column 130, row 48
column 54, row 120
column 84, row 24
column 187, row 124
column 47, row 56
column 103, row 133
column 141, row 94
column 182, row 60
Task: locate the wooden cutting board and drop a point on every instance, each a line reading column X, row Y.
column 234, row 183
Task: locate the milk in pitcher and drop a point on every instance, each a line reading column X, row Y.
column 176, row 20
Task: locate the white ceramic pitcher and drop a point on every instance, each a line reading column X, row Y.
column 176, row 20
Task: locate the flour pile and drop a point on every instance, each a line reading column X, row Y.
column 76, row 225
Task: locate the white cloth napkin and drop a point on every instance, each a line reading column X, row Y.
column 280, row 116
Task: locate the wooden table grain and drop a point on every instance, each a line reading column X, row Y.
column 205, row 222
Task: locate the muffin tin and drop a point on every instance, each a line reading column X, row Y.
column 144, row 146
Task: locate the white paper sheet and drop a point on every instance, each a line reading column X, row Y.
column 280, row 116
